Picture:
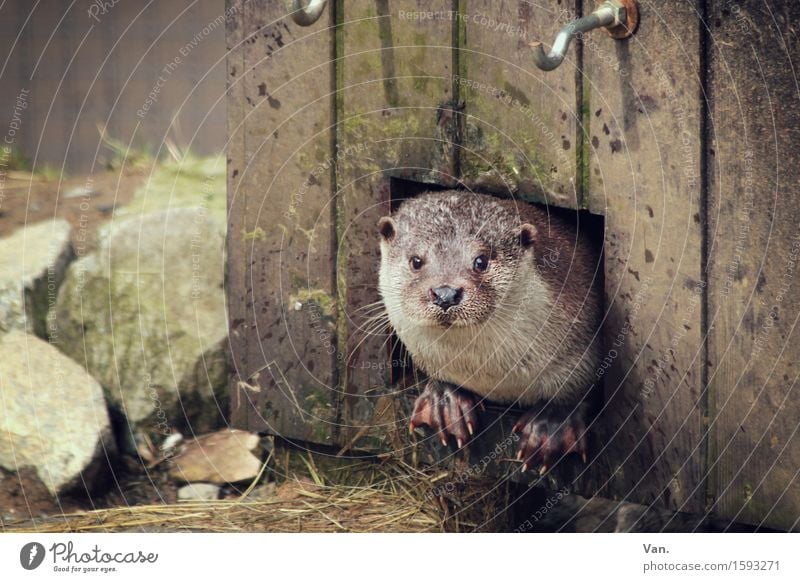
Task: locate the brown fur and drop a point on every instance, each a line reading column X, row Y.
column 526, row 328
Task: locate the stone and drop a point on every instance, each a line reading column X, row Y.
column 222, row 457
column 199, row 492
column 145, row 313
column 81, row 192
column 53, row 416
column 33, row 261
column 264, row 492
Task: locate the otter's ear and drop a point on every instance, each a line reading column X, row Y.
column 526, row 234
column 387, row 228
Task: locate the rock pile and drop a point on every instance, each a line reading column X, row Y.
column 134, row 332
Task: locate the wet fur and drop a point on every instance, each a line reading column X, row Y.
column 525, row 330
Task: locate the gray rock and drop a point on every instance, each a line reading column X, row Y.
column 81, row 192
column 32, row 265
column 198, row 492
column 145, row 314
column 53, row 415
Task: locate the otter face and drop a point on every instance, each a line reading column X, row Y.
column 450, row 259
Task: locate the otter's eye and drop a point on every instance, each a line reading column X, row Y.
column 481, row 263
column 416, row 263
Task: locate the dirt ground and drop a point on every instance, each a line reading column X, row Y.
column 84, row 203
column 24, row 497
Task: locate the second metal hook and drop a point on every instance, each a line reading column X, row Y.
column 620, row 18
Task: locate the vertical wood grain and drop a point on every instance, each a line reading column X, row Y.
column 754, row 253
column 285, row 236
column 520, row 122
column 645, row 110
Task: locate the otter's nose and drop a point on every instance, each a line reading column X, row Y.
column 446, row 296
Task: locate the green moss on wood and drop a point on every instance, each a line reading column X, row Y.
column 253, row 235
column 320, row 297
column 583, row 149
column 496, row 164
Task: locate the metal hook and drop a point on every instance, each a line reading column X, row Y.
column 307, row 16
column 620, row 18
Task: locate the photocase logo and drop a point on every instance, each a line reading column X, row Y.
column 31, row 555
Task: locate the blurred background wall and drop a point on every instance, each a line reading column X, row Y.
column 146, row 71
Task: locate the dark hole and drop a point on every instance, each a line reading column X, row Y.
column 400, row 190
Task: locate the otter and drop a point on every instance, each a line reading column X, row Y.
column 497, row 300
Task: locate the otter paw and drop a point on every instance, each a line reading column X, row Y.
column 547, row 436
column 448, row 410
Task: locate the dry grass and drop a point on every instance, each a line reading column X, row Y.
column 378, row 497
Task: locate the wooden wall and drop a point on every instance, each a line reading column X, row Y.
column 683, row 138
column 82, row 70
column 753, row 256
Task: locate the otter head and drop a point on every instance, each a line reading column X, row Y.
column 451, row 259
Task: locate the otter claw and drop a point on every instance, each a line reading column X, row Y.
column 448, row 410
column 548, row 435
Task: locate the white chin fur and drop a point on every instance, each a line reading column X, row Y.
column 409, row 323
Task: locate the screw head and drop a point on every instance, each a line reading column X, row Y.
column 626, row 15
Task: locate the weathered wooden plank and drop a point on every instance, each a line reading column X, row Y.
column 644, row 98
column 236, row 258
column 754, row 252
column 520, row 122
column 395, row 120
column 287, row 231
